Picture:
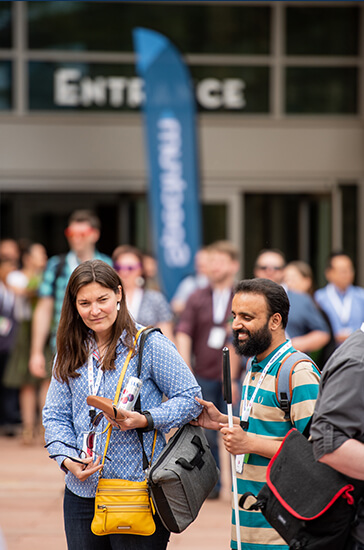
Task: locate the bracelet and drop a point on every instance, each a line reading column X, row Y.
column 150, row 426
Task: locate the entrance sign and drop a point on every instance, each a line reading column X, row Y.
column 73, row 89
column 169, row 114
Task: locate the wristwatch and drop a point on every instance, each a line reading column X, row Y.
column 150, row 426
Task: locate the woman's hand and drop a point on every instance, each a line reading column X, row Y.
column 210, row 417
column 131, row 421
column 83, row 469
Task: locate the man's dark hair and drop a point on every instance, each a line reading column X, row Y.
column 85, row 216
column 274, row 294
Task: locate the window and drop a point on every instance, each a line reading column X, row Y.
column 214, row 222
column 317, row 30
column 322, row 90
column 101, row 26
column 349, row 193
column 5, row 25
column 5, row 85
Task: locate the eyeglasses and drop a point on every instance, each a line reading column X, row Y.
column 272, row 267
column 90, row 440
column 82, row 453
column 77, row 233
column 121, row 267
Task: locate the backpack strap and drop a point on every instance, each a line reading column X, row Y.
column 248, row 364
column 58, row 272
column 284, row 379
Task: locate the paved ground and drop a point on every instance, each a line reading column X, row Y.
column 31, row 488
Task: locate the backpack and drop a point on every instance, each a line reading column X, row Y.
column 284, row 378
column 58, row 272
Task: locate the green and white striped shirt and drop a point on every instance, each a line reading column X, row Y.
column 267, row 420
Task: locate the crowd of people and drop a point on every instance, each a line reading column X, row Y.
column 49, row 304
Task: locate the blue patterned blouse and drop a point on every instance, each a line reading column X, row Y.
column 66, row 413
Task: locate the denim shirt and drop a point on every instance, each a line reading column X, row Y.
column 66, row 414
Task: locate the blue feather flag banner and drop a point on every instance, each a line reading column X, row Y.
column 170, row 131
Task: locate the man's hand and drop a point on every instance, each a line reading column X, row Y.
column 239, row 442
column 210, row 418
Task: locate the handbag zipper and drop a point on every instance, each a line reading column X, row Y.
column 131, row 490
column 108, row 506
column 171, row 446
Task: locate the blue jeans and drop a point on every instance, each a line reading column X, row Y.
column 78, row 514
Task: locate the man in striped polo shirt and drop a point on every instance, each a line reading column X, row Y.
column 260, row 311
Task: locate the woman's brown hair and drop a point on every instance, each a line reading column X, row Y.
column 74, row 337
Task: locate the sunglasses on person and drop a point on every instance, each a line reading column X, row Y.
column 90, row 440
column 124, row 267
column 272, row 267
column 82, row 454
column 83, row 233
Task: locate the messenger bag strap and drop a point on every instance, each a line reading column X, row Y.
column 137, row 407
column 118, row 388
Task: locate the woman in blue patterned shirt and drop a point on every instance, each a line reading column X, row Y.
column 94, row 337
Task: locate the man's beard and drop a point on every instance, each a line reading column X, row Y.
column 257, row 342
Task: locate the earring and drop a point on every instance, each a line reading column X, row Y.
column 118, row 306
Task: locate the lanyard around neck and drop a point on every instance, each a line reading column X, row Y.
column 248, row 406
column 93, row 388
column 220, row 300
column 342, row 307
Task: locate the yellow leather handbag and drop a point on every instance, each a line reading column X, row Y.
column 122, row 506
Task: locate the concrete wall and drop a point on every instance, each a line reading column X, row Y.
column 55, row 152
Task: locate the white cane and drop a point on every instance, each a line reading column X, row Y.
column 228, row 399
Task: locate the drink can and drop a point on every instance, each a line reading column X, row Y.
column 130, row 394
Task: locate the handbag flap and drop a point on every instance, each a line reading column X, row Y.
column 305, row 487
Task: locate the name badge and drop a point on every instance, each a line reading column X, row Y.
column 240, row 460
column 239, row 463
column 216, row 338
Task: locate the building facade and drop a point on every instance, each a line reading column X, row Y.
column 279, row 90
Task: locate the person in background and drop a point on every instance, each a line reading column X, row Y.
column 150, row 271
column 306, row 326
column 24, row 283
column 10, row 250
column 9, row 405
column 147, row 307
column 94, row 337
column 192, row 282
column 260, row 311
column 340, row 299
column 298, row 277
column 82, row 234
column 204, row 329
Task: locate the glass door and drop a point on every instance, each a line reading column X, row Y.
column 297, row 224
